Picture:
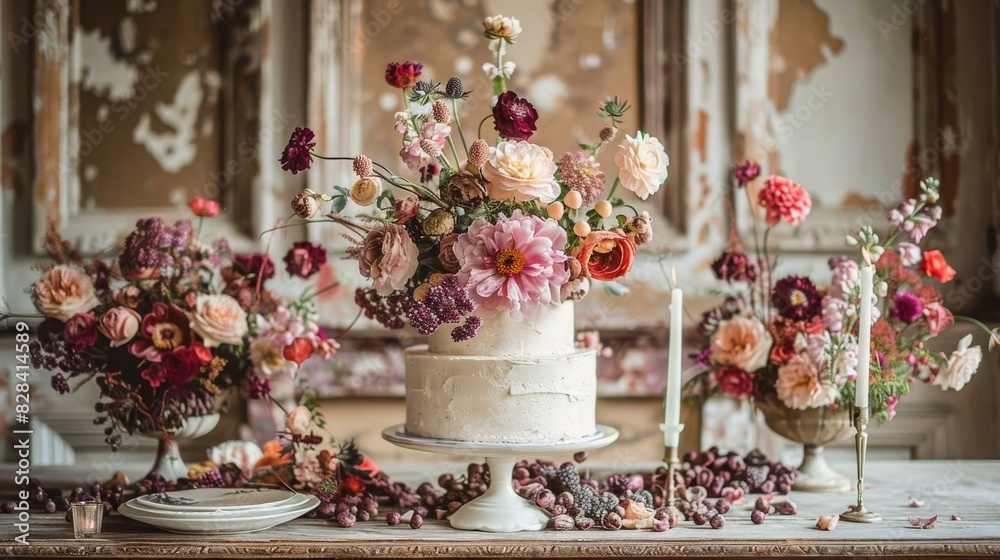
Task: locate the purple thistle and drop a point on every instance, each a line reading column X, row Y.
column 906, row 307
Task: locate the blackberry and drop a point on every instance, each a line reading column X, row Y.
column 609, row 501
column 570, row 479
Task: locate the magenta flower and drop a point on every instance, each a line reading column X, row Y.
column 745, row 171
column 403, row 75
column 514, row 117
column 515, row 265
column 298, row 152
column 304, row 259
column 734, row 266
column 906, row 307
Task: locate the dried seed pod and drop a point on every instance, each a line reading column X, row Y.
column 562, row 523
column 612, row 522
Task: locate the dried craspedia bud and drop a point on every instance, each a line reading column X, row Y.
column 608, row 134
column 454, row 88
column 563, row 523
column 439, row 222
column 479, row 152
column 305, row 204
column 612, row 522
column 430, row 147
column 441, row 112
column 463, row 189
column 362, row 165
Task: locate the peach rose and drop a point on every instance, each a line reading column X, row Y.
column 642, row 164
column 799, row 385
column 521, row 171
column 389, row 257
column 962, row 364
column 298, row 421
column 741, row 342
column 119, row 324
column 606, row 255
column 218, row 319
column 244, row 454
column 63, row 292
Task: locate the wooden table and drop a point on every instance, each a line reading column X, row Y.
column 970, row 489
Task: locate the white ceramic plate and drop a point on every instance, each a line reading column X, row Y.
column 294, row 502
column 218, row 525
column 214, row 499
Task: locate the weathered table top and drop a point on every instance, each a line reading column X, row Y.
column 969, row 489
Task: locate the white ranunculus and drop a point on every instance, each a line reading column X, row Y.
column 642, row 164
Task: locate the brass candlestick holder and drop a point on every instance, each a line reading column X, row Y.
column 671, row 458
column 858, row 513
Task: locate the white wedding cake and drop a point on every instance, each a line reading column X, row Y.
column 514, row 382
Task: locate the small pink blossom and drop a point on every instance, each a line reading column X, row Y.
column 909, row 254
column 938, row 318
column 436, row 132
column 414, row 156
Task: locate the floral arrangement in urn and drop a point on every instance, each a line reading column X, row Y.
column 791, row 339
column 171, row 324
column 494, row 222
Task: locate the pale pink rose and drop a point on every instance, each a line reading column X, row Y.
column 521, row 171
column 741, row 342
column 436, row 132
column 909, row 254
column 414, row 156
column 298, row 421
column 119, row 324
column 63, row 292
column 642, row 164
column 219, row 319
column 962, row 364
column 389, row 257
column 938, row 318
column 800, row 386
column 244, row 454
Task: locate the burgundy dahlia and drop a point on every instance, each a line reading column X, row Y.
column 402, row 75
column 80, row 331
column 514, row 117
column 906, row 307
column 734, row 382
column 255, row 263
column 745, row 171
column 304, row 259
column 796, row 298
column 298, row 152
column 734, row 266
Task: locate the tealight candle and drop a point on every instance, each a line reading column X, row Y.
column 87, row 519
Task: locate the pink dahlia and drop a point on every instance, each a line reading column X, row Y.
column 515, row 265
column 784, row 199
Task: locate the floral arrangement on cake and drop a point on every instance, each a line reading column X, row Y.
column 504, row 226
column 172, row 324
column 788, row 337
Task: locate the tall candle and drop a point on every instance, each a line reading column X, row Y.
column 864, row 333
column 672, row 406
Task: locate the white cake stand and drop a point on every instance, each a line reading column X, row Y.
column 499, row 509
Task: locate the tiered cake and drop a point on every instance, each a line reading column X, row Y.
column 515, row 382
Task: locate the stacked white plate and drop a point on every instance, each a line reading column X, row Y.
column 218, row 510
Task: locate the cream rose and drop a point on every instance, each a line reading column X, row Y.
column 741, row 342
column 366, row 190
column 219, row 319
column 499, row 27
column 119, row 324
column 298, row 421
column 245, row 454
column 521, row 171
column 389, row 257
column 963, row 362
column 642, row 164
column 63, row 292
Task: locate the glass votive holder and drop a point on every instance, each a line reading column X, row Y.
column 87, row 519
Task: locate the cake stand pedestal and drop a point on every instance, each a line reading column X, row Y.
column 499, row 509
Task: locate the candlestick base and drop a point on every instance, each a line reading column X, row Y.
column 860, row 514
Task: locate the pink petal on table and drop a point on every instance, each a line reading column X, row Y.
column 922, row 522
column 827, row 522
column 913, row 502
column 955, row 517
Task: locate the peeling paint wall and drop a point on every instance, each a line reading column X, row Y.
column 149, row 114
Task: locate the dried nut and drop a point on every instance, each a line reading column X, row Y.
column 563, row 523
column 545, row 499
column 827, row 522
column 762, row 505
column 787, row 507
column 757, row 516
column 660, row 525
column 612, row 522
column 416, row 521
column 585, row 523
column 717, row 521
column 392, row 518
column 565, row 499
column 722, row 506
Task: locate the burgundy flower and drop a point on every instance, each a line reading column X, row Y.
column 745, row 171
column 163, row 329
column 734, row 266
column 796, row 298
column 734, row 382
column 298, row 152
column 304, row 259
column 258, row 387
column 178, row 368
column 514, row 117
column 402, row 75
column 906, row 307
column 255, row 263
column 80, row 331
